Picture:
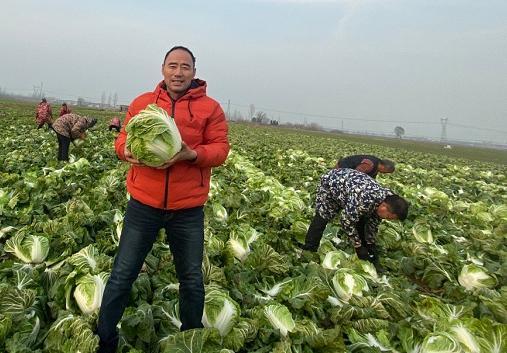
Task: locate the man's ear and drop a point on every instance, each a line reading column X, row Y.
column 383, row 210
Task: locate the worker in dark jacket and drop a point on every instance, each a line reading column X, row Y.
column 367, row 164
column 363, row 203
column 69, row 127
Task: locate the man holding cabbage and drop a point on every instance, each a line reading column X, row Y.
column 171, row 137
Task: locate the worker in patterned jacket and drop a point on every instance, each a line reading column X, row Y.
column 65, row 109
column 43, row 114
column 363, row 203
column 68, row 128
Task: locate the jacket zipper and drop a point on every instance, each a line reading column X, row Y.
column 166, row 191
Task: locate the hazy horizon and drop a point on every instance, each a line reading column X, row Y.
column 359, row 65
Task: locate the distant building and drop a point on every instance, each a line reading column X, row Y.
column 123, row 108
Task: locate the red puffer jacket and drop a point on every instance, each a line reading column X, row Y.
column 202, row 125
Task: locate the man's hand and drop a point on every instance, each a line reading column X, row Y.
column 372, row 250
column 130, row 158
column 82, row 136
column 185, row 154
column 362, row 253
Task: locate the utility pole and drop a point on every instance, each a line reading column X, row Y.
column 443, row 136
column 251, row 112
column 37, row 91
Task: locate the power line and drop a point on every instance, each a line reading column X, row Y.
column 476, row 128
column 371, row 120
column 337, row 117
column 304, row 114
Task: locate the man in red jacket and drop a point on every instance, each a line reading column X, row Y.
column 170, row 197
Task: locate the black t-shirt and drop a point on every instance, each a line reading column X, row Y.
column 353, row 161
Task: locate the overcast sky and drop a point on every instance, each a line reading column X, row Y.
column 362, row 65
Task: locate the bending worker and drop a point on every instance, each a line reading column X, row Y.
column 362, row 202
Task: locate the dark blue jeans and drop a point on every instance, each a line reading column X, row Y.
column 63, row 147
column 185, row 233
column 317, row 227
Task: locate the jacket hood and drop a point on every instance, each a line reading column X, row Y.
column 197, row 89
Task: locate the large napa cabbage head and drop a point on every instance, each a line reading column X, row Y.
column 474, row 276
column 152, row 136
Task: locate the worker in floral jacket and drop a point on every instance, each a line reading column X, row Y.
column 362, row 202
column 43, row 114
column 69, row 127
column 64, row 109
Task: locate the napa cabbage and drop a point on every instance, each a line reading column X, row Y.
column 28, row 248
column 280, row 317
column 475, row 276
column 334, row 259
column 89, row 291
column 422, row 232
column 440, row 343
column 152, row 136
column 220, row 311
column 347, row 283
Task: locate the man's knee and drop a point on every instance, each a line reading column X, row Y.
column 124, row 273
column 191, row 278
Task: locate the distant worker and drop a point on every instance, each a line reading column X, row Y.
column 362, row 202
column 69, row 127
column 43, row 114
column 64, row 109
column 367, row 164
column 115, row 123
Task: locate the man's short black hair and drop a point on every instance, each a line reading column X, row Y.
column 397, row 205
column 388, row 165
column 91, row 121
column 179, row 47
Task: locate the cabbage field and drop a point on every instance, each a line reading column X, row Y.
column 444, row 288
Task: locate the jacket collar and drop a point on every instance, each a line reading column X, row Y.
column 197, row 89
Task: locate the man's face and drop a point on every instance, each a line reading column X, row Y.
column 384, row 212
column 383, row 169
column 178, row 71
